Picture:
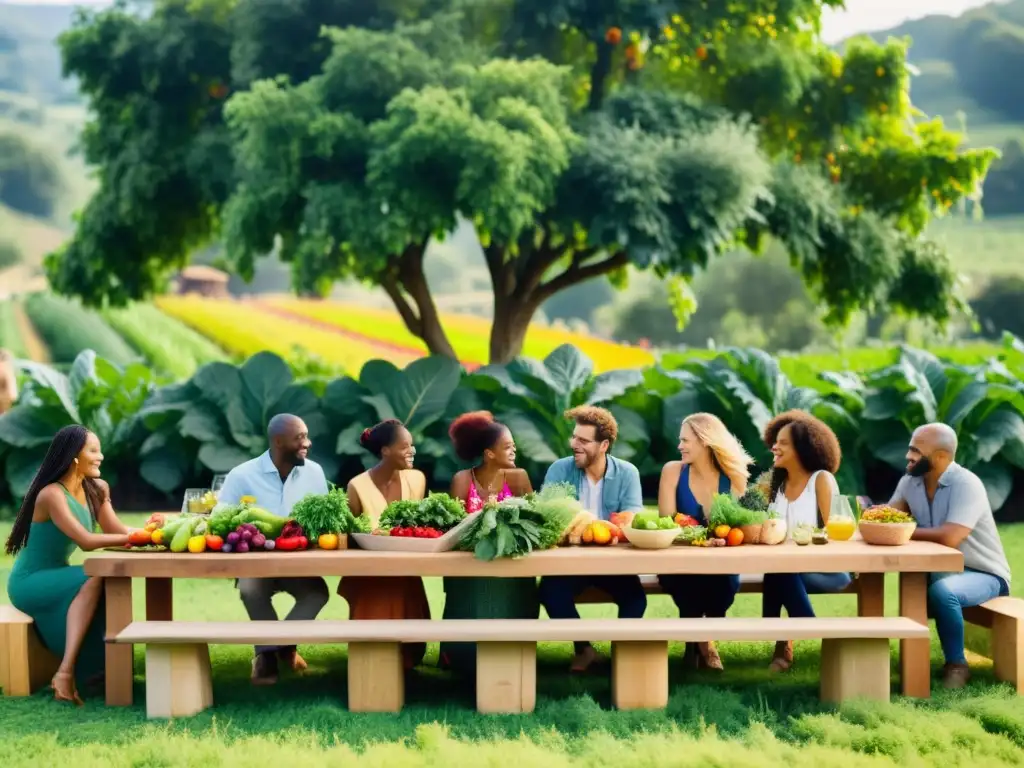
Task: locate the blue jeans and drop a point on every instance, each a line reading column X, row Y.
column 791, row 590
column 948, row 595
column 697, row 596
column 558, row 596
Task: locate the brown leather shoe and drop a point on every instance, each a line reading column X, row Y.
column 708, row 658
column 955, row 676
column 783, row 658
column 295, row 662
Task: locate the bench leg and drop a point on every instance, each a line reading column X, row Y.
column 177, row 680
column 506, row 678
column 915, row 655
column 376, row 679
column 26, row 666
column 1007, row 642
column 640, row 675
column 852, row 669
column 120, row 670
column 871, row 594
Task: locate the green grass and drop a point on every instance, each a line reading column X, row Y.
column 171, row 346
column 744, row 717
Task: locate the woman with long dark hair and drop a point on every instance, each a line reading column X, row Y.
column 392, row 478
column 60, row 512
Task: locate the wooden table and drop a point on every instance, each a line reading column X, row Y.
column 913, row 561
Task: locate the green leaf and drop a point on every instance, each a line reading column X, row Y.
column 996, row 431
column 166, row 471
column 221, row 458
column 612, row 385
column 568, row 369
column 21, row 468
column 998, row 481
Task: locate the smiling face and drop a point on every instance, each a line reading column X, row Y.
column 586, row 448
column 503, row 453
column 691, row 449
column 294, row 443
column 401, row 453
column 924, row 453
column 90, row 457
column 784, row 451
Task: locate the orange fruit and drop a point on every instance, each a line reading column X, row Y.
column 602, row 534
column 157, row 537
column 588, row 535
column 140, row 538
column 702, row 52
column 722, row 531
column 735, row 538
column 613, row 36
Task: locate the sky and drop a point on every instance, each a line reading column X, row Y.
column 859, row 16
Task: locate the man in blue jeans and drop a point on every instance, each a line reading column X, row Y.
column 604, row 485
column 951, row 507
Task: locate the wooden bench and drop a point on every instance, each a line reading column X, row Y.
column 25, row 665
column 1003, row 642
column 855, row 655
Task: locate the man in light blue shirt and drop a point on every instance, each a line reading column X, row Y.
column 278, row 480
column 951, row 507
column 603, row 485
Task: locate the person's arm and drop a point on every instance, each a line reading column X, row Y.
column 460, row 485
column 52, row 501
column 232, row 491
column 968, row 501
column 670, row 474
column 520, row 485
column 632, row 499
column 824, row 488
column 899, row 500
column 106, row 517
column 355, row 506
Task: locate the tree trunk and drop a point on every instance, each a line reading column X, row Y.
column 599, row 74
column 408, row 280
column 508, row 331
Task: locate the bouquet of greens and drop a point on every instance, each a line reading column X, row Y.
column 515, row 527
column 725, row 510
column 438, row 510
column 318, row 514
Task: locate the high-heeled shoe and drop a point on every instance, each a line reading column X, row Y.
column 60, row 694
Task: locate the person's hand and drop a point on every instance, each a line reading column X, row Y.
column 156, row 519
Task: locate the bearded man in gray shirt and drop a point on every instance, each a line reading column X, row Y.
column 951, row 507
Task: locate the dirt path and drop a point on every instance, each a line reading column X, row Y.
column 323, row 325
column 33, row 343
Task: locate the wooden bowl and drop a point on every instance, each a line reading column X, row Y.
column 751, row 533
column 886, row 534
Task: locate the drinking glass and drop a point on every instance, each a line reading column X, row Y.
column 194, row 501
column 841, row 523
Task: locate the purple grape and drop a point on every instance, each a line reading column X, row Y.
column 251, row 528
column 226, row 548
column 243, row 546
column 258, row 541
column 233, row 538
column 270, row 544
column 246, row 536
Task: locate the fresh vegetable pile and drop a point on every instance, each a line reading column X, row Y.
column 517, row 526
column 697, row 536
column 885, row 514
column 727, row 511
column 228, row 518
column 436, row 514
column 327, row 513
column 247, row 538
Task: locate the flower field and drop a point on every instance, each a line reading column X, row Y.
column 469, row 335
column 242, row 329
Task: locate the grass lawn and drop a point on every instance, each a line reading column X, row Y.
column 743, row 717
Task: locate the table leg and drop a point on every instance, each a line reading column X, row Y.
column 120, row 668
column 871, row 594
column 159, row 600
column 915, row 655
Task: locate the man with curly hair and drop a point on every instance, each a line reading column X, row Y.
column 604, row 485
column 951, row 507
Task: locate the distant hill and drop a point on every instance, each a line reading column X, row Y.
column 29, row 58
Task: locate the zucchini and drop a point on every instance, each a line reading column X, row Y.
column 180, row 541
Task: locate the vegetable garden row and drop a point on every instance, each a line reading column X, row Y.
column 160, row 439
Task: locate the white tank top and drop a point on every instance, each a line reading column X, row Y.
column 804, row 509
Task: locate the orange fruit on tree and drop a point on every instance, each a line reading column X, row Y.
column 735, row 537
column 613, row 36
column 701, row 52
column 722, row 531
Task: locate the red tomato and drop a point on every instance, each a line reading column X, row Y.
column 214, row 543
column 303, row 543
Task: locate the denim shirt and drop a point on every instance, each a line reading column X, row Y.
column 620, row 493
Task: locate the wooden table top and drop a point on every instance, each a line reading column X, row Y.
column 623, row 559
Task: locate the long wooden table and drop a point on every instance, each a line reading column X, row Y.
column 912, row 561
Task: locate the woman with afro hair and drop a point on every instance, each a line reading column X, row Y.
column 488, row 445
column 807, row 456
column 392, row 478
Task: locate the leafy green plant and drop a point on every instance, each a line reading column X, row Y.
column 515, row 527
column 531, row 396
column 96, row 393
column 171, row 346
column 984, row 404
column 320, row 513
column 68, row 329
column 438, row 510
column 725, row 510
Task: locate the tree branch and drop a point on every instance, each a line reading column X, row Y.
column 576, row 272
column 412, row 322
column 414, row 280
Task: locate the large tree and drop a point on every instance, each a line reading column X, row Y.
column 579, row 136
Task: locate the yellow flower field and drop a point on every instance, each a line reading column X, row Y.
column 468, row 334
column 242, row 328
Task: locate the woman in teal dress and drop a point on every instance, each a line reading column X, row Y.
column 61, row 510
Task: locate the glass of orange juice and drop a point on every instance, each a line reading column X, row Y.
column 841, row 526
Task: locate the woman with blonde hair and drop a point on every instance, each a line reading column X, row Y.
column 712, row 462
column 8, row 382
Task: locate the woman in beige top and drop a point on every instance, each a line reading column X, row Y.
column 8, row 382
column 392, row 479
